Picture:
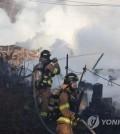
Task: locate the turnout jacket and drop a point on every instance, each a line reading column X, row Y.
column 66, row 115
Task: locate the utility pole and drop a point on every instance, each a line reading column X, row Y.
column 98, row 60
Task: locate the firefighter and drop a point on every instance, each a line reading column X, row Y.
column 43, row 73
column 67, row 117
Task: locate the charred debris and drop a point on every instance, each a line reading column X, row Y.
column 17, row 111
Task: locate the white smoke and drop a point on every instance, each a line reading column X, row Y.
column 83, row 28
column 48, row 21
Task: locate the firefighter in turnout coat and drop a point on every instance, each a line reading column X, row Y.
column 67, row 116
column 43, row 73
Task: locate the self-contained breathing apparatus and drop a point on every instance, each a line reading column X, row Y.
column 38, row 73
column 53, row 106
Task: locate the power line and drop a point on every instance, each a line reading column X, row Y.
column 9, row 3
column 57, row 3
column 79, row 55
column 80, row 2
column 79, row 73
column 103, row 77
column 91, row 5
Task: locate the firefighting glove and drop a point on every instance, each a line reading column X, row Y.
column 55, row 60
column 76, row 120
column 77, row 117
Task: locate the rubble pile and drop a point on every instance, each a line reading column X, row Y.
column 15, row 55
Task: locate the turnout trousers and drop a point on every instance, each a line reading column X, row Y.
column 45, row 94
column 64, row 128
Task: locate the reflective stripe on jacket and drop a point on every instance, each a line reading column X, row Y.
column 64, row 119
column 64, row 107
